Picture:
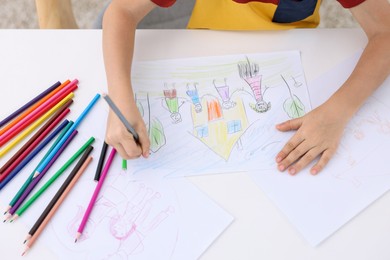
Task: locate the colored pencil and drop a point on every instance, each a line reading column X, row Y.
column 124, row 164
column 31, row 128
column 86, row 147
column 35, row 181
column 76, row 123
column 21, row 165
column 121, row 117
column 34, row 107
column 34, row 144
column 34, row 115
column 95, row 194
column 101, row 161
column 30, row 178
column 41, row 133
column 28, row 104
column 51, row 213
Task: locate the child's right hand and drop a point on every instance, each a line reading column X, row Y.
column 118, row 137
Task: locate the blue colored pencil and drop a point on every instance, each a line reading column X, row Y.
column 30, row 177
column 28, row 104
column 26, row 160
column 74, row 126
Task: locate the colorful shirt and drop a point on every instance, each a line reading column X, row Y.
column 255, row 14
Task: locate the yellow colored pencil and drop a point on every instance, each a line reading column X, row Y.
column 31, row 128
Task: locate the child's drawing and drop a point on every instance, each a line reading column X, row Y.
column 250, row 73
column 223, row 92
column 148, row 219
column 194, row 95
column 297, row 84
column 293, row 105
column 172, row 103
column 359, row 142
column 220, row 108
column 155, row 128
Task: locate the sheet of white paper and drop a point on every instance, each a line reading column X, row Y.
column 354, row 178
column 149, row 219
column 217, row 114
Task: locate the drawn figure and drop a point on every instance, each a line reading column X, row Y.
column 172, row 103
column 293, row 105
column 129, row 221
column 250, row 73
column 193, row 94
column 223, row 91
column 297, row 84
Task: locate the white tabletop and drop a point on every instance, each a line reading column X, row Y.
column 30, row 58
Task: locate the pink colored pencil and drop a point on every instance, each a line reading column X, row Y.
column 95, row 194
column 34, row 115
column 34, row 144
column 37, row 134
column 57, row 205
column 32, row 108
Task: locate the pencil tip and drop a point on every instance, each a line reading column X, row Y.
column 11, row 221
column 4, row 220
column 25, row 241
column 75, row 240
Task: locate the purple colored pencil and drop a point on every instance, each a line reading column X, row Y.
column 28, row 104
column 40, row 176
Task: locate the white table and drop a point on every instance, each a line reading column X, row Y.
column 30, row 58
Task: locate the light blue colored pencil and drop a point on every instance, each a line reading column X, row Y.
column 65, row 137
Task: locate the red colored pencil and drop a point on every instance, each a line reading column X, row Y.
column 32, row 108
column 38, row 138
column 17, row 128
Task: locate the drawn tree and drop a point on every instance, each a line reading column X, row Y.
column 155, row 128
column 293, row 106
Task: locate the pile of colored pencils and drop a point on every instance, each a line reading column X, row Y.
column 47, row 111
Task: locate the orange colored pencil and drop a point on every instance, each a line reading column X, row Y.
column 32, row 108
column 32, row 240
column 28, row 120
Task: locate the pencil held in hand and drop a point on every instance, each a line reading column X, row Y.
column 121, row 117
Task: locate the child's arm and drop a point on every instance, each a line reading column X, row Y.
column 119, row 23
column 55, row 14
column 319, row 132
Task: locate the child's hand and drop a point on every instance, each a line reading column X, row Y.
column 318, row 134
column 118, row 137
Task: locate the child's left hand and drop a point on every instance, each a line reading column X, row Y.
column 318, row 134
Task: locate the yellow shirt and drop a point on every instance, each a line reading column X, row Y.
column 254, row 15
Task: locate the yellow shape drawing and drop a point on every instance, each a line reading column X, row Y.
column 222, row 134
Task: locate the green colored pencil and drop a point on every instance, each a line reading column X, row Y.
column 30, row 178
column 124, row 164
column 22, row 209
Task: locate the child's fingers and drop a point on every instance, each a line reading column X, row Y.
column 145, row 143
column 288, row 125
column 325, row 158
column 130, row 147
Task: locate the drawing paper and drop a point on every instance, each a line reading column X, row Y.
column 354, row 178
column 217, row 114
